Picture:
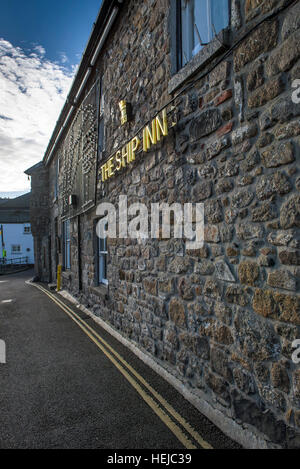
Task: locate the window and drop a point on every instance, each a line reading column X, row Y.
column 102, row 260
column 67, row 244
column 200, row 21
column 101, row 130
column 56, row 187
column 15, row 248
column 27, row 229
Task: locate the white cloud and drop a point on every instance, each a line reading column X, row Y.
column 32, row 94
column 40, row 49
column 63, row 57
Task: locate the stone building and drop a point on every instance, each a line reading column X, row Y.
column 221, row 76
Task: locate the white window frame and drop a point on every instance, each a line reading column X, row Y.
column 13, row 251
column 102, row 258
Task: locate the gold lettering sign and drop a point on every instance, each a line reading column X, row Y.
column 152, row 134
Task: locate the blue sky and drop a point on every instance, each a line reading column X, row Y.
column 62, row 27
column 41, row 43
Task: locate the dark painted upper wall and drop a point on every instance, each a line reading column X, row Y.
column 15, row 210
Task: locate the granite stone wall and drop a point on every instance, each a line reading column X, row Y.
column 40, row 221
column 222, row 318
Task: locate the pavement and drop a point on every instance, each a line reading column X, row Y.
column 67, row 383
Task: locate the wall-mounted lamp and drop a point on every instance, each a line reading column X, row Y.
column 126, row 111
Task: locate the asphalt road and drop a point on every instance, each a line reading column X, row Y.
column 59, row 389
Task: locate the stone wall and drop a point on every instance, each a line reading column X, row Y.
column 40, row 220
column 223, row 318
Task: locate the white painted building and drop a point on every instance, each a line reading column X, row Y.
column 16, row 240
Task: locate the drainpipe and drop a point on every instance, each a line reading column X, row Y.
column 2, row 242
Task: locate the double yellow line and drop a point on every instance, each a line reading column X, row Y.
column 189, row 437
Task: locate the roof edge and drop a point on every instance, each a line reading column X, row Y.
column 34, row 168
